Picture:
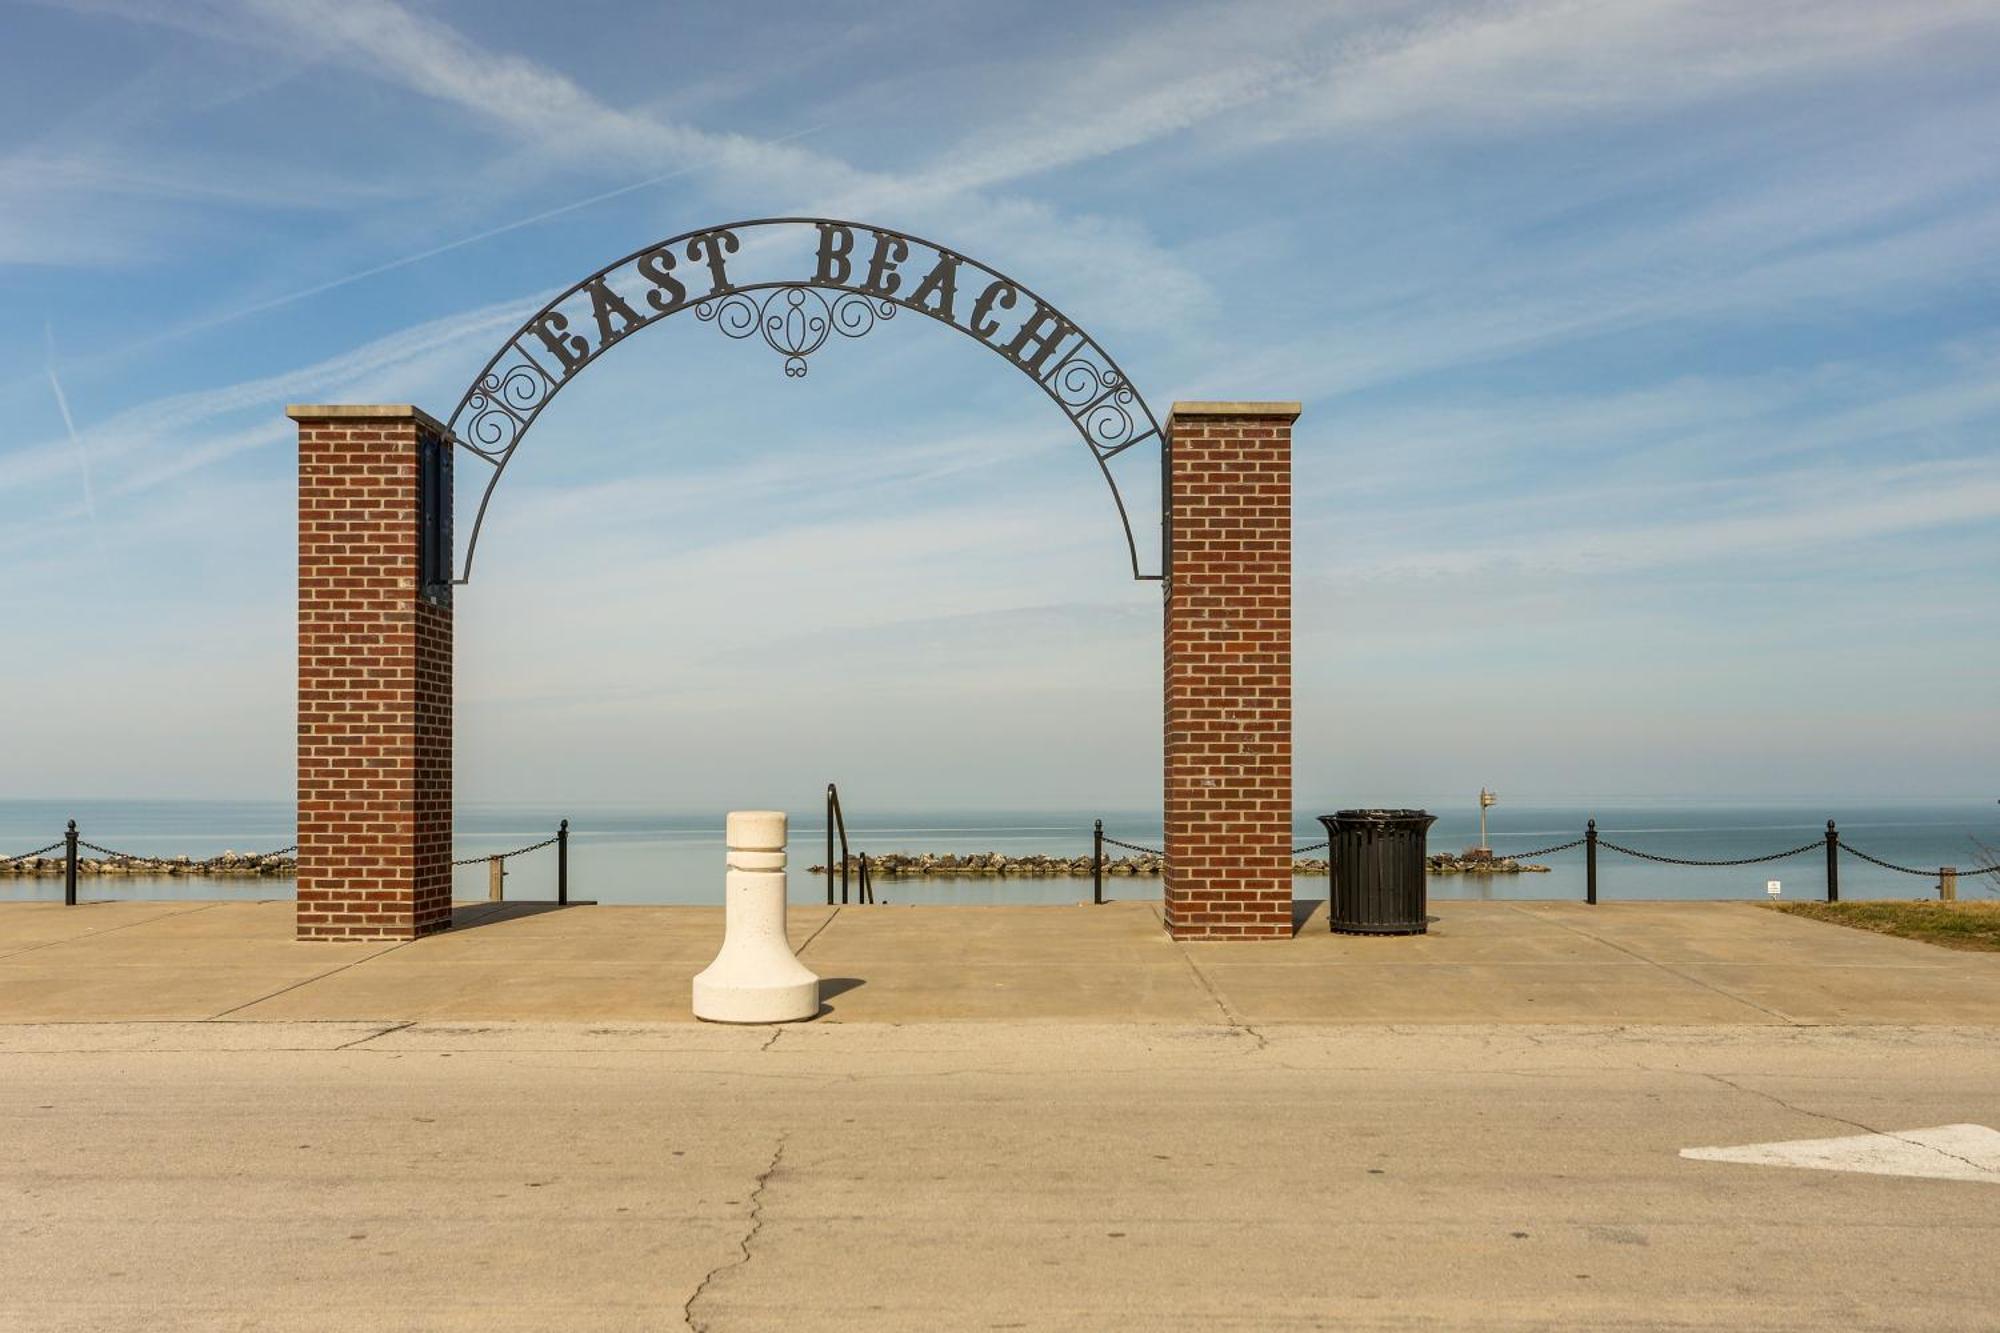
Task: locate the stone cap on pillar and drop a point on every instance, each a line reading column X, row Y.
column 365, row 412
column 1282, row 411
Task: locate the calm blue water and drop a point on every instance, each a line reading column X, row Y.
column 640, row 856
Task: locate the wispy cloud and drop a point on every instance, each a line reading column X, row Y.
column 1790, row 515
column 150, row 442
column 546, row 111
column 1493, row 67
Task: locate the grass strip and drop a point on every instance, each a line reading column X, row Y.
column 1959, row 925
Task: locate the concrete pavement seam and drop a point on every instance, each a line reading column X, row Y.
column 1672, row 972
column 282, row 990
column 817, row 932
column 108, row 930
column 756, row 1225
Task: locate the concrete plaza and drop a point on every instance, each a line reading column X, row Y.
column 1035, row 1118
column 1480, row 963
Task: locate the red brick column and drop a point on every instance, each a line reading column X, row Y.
column 375, row 681
column 1229, row 670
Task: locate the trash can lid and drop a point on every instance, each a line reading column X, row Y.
column 1381, row 817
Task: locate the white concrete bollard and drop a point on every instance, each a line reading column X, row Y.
column 756, row 978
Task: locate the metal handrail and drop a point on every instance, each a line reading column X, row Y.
column 834, row 821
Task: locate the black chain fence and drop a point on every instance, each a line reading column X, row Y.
column 1931, row 873
column 122, row 863
column 1539, row 851
column 1110, row 841
column 1592, row 839
column 217, row 862
column 502, row 856
column 29, row 856
column 1816, row 845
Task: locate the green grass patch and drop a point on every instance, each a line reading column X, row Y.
column 1960, row 925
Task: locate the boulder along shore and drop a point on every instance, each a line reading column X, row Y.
column 974, row 865
column 889, row 865
column 227, row 864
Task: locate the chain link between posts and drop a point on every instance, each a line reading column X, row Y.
column 29, row 856
column 1816, row 844
column 520, row 851
column 1931, row 873
column 213, row 862
column 1540, row 851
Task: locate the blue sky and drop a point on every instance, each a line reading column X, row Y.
column 1648, row 353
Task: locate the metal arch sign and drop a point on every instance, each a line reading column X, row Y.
column 798, row 284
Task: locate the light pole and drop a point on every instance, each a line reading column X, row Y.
column 1486, row 798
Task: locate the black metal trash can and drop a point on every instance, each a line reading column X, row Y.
column 1375, row 859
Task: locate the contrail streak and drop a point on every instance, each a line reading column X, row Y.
column 390, row 266
column 69, row 424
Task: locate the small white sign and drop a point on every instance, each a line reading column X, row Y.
column 1772, row 887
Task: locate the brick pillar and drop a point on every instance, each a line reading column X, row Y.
column 1229, row 670
column 375, row 674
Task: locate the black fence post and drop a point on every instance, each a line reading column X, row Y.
column 562, row 865
column 1097, row 863
column 1590, row 863
column 829, row 844
column 69, row 866
column 1832, row 863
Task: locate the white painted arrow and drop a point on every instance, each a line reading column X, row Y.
column 1943, row 1152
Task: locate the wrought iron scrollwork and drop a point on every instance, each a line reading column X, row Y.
column 1099, row 401
column 501, row 405
column 794, row 321
column 859, row 276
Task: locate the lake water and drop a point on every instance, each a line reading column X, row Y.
column 639, row 856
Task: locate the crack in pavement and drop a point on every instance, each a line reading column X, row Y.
column 756, row 1225
column 379, row 1032
column 1221, row 1002
column 1828, row 1116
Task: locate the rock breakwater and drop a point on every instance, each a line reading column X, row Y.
column 1479, row 863
column 229, row 864
column 944, row 865
column 983, row 865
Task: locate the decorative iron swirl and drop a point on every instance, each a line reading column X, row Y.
column 1098, row 399
column 1078, row 381
column 1109, row 423
column 736, row 314
column 501, row 403
column 795, row 322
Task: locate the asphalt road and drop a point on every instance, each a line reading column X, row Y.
column 982, row 1176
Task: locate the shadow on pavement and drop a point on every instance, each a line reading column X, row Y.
column 470, row 916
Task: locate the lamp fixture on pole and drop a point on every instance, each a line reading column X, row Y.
column 1486, row 798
